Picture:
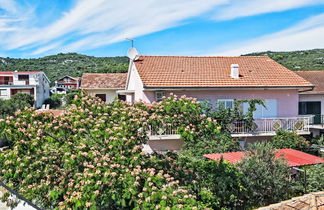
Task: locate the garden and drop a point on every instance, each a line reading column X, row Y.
column 91, row 157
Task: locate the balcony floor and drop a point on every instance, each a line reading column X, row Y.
column 264, row 134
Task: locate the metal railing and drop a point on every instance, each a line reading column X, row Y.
column 264, row 126
column 270, row 125
column 315, row 119
column 160, row 130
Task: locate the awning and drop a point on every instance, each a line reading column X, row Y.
column 125, row 92
column 294, row 157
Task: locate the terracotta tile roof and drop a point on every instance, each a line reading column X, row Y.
column 294, row 157
column 23, row 72
column 111, row 80
column 312, row 201
column 54, row 112
column 189, row 71
column 314, row 77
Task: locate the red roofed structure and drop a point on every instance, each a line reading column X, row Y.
column 294, row 158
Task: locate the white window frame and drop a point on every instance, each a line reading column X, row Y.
column 4, row 90
column 159, row 95
column 226, row 102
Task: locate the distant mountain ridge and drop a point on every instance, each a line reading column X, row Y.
column 74, row 64
column 302, row 60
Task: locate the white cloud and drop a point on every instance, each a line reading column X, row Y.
column 307, row 34
column 8, row 5
column 243, row 8
column 95, row 23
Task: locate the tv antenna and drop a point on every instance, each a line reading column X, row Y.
column 132, row 40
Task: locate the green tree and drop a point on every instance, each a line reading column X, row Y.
column 315, row 178
column 288, row 139
column 266, row 177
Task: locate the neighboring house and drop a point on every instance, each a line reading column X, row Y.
column 34, row 83
column 66, row 83
column 222, row 80
column 104, row 86
column 312, row 102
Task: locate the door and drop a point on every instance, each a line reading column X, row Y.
column 311, row 108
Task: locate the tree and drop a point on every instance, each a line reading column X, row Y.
column 315, row 178
column 288, row 139
column 266, row 177
column 23, row 97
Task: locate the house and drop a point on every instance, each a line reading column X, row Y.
column 222, row 80
column 34, row 83
column 66, row 83
column 312, row 102
column 104, row 86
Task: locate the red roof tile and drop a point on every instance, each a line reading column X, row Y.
column 189, row 71
column 23, row 72
column 314, row 77
column 102, row 81
column 53, row 112
column 294, row 157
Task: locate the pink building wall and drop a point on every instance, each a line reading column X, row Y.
column 287, row 100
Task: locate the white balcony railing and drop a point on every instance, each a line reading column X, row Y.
column 270, row 125
column 259, row 126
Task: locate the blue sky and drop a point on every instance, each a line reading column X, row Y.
column 36, row 28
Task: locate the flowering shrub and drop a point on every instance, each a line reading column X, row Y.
column 90, row 157
column 201, row 134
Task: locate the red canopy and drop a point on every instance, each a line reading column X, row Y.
column 294, row 157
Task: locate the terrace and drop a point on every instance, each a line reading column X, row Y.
column 260, row 127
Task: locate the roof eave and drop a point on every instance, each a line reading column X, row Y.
column 224, row 87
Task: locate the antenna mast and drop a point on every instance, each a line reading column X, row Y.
column 132, row 40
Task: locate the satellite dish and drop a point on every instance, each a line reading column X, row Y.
column 132, row 53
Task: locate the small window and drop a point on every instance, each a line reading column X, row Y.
column 122, row 97
column 23, row 77
column 3, row 92
column 226, row 103
column 159, row 95
column 102, row 97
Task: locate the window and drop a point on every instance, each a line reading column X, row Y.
column 226, row 103
column 122, row 97
column 269, row 111
column 102, row 97
column 67, row 79
column 3, row 92
column 23, row 77
column 159, row 95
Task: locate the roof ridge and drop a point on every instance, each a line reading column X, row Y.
column 207, row 56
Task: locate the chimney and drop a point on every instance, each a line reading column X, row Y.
column 235, row 71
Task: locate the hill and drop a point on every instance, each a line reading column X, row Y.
column 72, row 64
column 297, row 60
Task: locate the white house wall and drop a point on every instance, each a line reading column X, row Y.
column 110, row 94
column 135, row 83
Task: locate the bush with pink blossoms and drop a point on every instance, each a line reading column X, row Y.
column 89, row 157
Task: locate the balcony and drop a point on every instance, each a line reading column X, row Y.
column 15, row 82
column 260, row 127
column 316, row 121
column 269, row 126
